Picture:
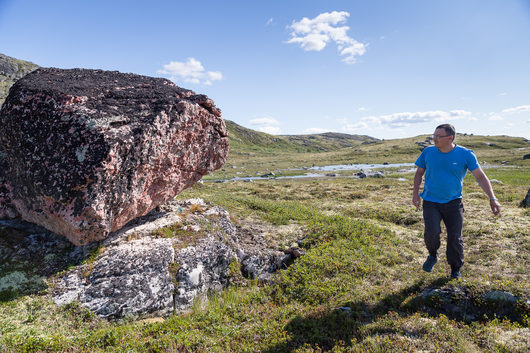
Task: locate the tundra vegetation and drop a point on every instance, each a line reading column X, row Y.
column 363, row 253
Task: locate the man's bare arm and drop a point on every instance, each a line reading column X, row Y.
column 418, row 177
column 485, row 184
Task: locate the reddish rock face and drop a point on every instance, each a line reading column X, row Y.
column 83, row 152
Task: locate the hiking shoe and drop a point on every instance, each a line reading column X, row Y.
column 455, row 274
column 429, row 263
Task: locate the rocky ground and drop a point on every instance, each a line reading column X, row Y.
column 156, row 265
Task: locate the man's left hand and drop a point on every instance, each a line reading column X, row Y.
column 495, row 207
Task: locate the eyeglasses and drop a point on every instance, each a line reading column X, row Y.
column 439, row 136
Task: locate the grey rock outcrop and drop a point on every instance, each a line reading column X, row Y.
column 164, row 261
column 157, row 264
column 146, row 270
column 126, row 280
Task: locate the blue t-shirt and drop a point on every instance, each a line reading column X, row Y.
column 445, row 172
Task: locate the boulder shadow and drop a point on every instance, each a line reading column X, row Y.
column 30, row 254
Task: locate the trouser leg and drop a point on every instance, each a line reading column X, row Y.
column 432, row 218
column 453, row 218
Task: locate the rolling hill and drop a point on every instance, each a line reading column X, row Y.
column 247, row 140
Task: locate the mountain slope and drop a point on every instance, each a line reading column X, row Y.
column 11, row 70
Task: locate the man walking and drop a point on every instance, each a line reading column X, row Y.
column 445, row 165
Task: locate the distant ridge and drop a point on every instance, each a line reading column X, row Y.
column 11, row 70
column 243, row 139
column 329, row 141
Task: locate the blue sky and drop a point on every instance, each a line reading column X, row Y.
column 387, row 69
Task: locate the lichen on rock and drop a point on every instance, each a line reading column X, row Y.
column 86, row 151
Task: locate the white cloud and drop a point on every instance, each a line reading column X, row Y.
column 354, row 127
column 267, row 125
column 264, row 121
column 503, row 94
column 405, row 119
column 517, row 110
column 315, row 130
column 190, row 71
column 362, row 109
column 314, row 34
column 495, row 117
column 273, row 130
column 270, row 20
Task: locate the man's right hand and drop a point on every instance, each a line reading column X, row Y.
column 416, row 201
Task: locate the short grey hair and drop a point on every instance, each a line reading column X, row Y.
column 449, row 129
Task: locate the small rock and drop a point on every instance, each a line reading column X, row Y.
column 500, row 296
column 295, row 252
column 360, row 175
column 526, row 156
column 495, row 181
column 197, row 201
column 193, row 228
column 378, row 174
column 344, row 309
column 251, row 266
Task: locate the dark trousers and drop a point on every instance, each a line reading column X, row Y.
column 452, row 214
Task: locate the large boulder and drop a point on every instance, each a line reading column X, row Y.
column 83, row 152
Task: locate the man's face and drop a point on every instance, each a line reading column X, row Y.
column 441, row 138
